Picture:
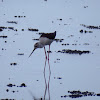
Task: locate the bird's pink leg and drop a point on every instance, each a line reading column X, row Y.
column 45, row 52
column 48, row 52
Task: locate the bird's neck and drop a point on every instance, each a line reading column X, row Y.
column 40, row 45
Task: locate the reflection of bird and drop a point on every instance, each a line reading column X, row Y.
column 45, row 39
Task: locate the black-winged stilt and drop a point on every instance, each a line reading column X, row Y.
column 45, row 39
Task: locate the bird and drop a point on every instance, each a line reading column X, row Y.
column 45, row 39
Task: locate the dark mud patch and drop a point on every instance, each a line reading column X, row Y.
column 3, row 36
column 90, row 26
column 40, row 33
column 22, row 29
column 32, row 29
column 19, row 16
column 49, row 51
column 74, row 51
column 64, row 44
column 60, row 19
column 70, row 36
column 20, row 54
column 13, row 64
column 85, row 6
column 58, row 78
column 13, row 22
column 12, row 28
column 13, row 91
column 10, row 85
column 36, row 39
column 7, row 99
column 58, row 40
column 5, row 41
column 23, row 85
column 57, row 60
column 3, row 49
column 1, row 29
column 9, row 28
column 86, row 44
column 13, row 85
column 84, row 31
column 79, row 94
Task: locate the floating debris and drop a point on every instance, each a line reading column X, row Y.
column 74, row 51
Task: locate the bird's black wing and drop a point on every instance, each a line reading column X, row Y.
column 49, row 35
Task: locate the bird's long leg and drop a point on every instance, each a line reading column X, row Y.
column 49, row 74
column 48, row 52
column 48, row 59
column 45, row 75
column 45, row 81
column 45, row 53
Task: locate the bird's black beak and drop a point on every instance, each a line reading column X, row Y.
column 32, row 52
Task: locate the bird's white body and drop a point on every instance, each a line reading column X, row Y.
column 45, row 41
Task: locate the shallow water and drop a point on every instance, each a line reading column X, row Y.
column 35, row 78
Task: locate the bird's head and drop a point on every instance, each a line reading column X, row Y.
column 36, row 45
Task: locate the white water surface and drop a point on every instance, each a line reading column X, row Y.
column 77, row 72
